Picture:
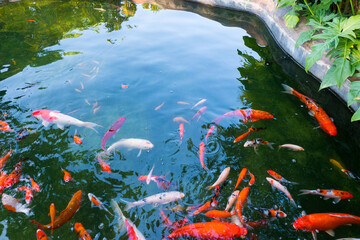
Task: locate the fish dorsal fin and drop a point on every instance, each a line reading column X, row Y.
column 311, row 113
column 330, row 232
column 336, row 200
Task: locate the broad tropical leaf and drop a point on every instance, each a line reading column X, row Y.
column 316, row 54
column 329, row 79
column 304, row 37
column 343, row 70
column 356, row 116
column 353, row 93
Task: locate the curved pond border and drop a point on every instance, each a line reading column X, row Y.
column 284, row 36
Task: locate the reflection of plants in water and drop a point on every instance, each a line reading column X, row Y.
column 151, row 7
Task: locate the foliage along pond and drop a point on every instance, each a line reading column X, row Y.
column 98, row 61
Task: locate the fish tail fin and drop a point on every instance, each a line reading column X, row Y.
column 270, row 145
column 287, row 89
column 294, row 183
column 292, row 201
column 304, row 191
column 209, row 187
column 39, row 225
column 91, row 126
column 128, row 205
column 117, row 210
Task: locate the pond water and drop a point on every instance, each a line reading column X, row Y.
column 75, row 57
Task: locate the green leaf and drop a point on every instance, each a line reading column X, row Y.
column 353, row 93
column 328, row 79
column 316, row 54
column 304, row 37
column 349, row 25
column 285, row 3
column 343, row 70
column 355, row 59
column 291, row 20
column 356, row 116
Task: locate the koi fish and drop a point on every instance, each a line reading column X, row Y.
column 276, row 184
column 5, row 127
column 316, row 111
column 133, row 232
column 149, row 175
column 181, row 130
column 52, row 214
column 112, row 130
column 67, row 176
column 81, row 232
column 95, row 201
column 124, row 86
column 351, row 175
column 65, row 215
column 241, row 200
column 28, row 196
column 2, row 180
column 244, row 135
column 292, row 147
column 242, row 174
column 160, row 198
column 209, row 230
column 224, row 174
column 206, row 206
column 199, row 113
column 255, row 143
column 201, row 154
column 77, row 140
column 246, row 115
column 336, row 194
column 166, row 220
column 40, row 235
column 199, row 102
column 131, row 143
column 158, row 107
column 104, row 166
column 232, row 199
column 177, row 208
column 180, row 119
column 14, row 176
column 324, row 222
column 260, row 223
column 4, row 159
column 211, row 129
column 270, row 213
column 219, row 214
column 23, row 134
column 13, row 205
column 183, row 103
column 60, row 119
column 252, row 179
column 34, row 185
column 279, row 178
column 161, row 181
column 336, row 163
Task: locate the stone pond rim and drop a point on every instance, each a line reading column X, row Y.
column 284, row 36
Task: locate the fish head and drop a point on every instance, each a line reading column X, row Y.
column 281, row 214
column 346, row 195
column 270, row 180
column 37, row 114
column 302, row 223
column 249, row 143
column 78, row 227
column 142, row 178
column 148, row 145
column 40, row 234
column 182, row 195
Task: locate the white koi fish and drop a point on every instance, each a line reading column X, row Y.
column 13, row 205
column 160, row 198
column 221, row 178
column 148, row 179
column 292, row 147
column 131, row 143
column 277, row 185
column 60, row 119
column 199, row 102
column 232, row 199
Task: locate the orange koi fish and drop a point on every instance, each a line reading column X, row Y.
column 34, row 185
column 242, row 136
column 95, row 201
column 166, row 220
column 158, row 107
column 221, row 178
column 67, row 176
column 241, row 177
column 52, row 214
column 40, row 235
column 209, row 230
column 201, row 154
column 81, row 232
column 211, row 129
column 316, row 111
column 241, row 200
column 279, row 178
column 14, row 176
column 29, row 194
column 336, row 194
column 2, row 180
column 199, row 113
column 181, row 130
column 276, row 184
column 246, row 115
column 206, row 206
column 13, row 205
column 232, row 199
column 4, row 159
column 255, row 143
column 252, row 179
column 77, row 140
column 104, row 166
column 199, row 102
column 270, row 213
column 4, row 126
column 260, row 223
column 324, row 222
column 219, row 214
column 65, row 215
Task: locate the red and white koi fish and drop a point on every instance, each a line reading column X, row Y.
column 180, row 119
column 276, row 184
column 77, row 139
column 324, row 222
column 112, row 130
column 131, row 143
column 161, row 181
column 292, row 147
column 13, row 205
column 181, row 130
column 81, row 232
column 14, row 176
column 242, row 174
column 316, row 111
column 255, row 143
column 34, row 185
column 132, row 230
column 199, row 102
column 104, row 166
column 232, row 199
column 224, row 174
column 242, row 136
column 270, row 213
column 95, row 201
column 4, row 126
column 149, row 175
column 199, row 113
column 60, row 119
column 4, row 159
column 336, row 194
column 351, row 175
column 279, row 178
column 40, row 235
column 260, row 223
column 67, row 176
column 29, row 194
column 201, row 154
column 252, row 179
column 246, row 115
column 211, row 129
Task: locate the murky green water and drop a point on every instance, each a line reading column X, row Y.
column 70, row 57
